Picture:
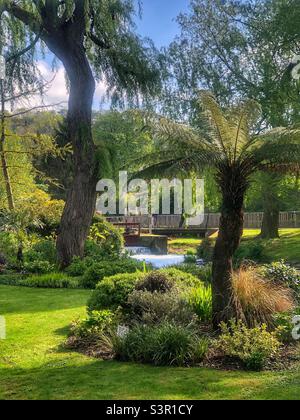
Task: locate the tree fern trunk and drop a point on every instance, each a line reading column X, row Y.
column 228, row 241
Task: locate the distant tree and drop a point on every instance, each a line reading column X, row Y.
column 125, row 137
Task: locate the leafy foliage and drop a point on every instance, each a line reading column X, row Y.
column 165, row 345
column 155, row 281
column 113, row 291
column 180, row 278
column 129, row 65
column 38, row 267
column 45, row 281
column 200, row 300
column 205, row 250
column 98, row 271
column 252, row 251
column 153, row 308
column 108, row 237
column 283, row 274
column 253, row 347
column 91, row 328
column 203, row 273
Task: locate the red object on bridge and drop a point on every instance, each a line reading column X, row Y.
column 132, row 232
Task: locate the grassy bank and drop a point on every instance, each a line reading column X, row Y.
column 287, row 247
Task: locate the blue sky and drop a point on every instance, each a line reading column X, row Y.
column 158, row 23
column 159, row 19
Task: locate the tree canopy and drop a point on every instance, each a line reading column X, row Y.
column 126, row 63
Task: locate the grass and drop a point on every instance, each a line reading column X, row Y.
column 183, row 245
column 287, row 247
column 34, row 365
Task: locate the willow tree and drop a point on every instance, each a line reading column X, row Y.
column 93, row 39
column 228, row 146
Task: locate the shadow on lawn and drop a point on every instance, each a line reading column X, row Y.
column 114, row 380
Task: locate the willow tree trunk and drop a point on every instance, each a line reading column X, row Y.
column 81, row 197
column 228, row 241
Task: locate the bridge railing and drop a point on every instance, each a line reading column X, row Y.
column 211, row 221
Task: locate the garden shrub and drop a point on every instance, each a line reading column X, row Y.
column 177, row 346
column 43, row 250
column 39, row 267
column 39, row 204
column 8, row 247
column 97, row 271
column 259, row 299
column 113, row 291
column 79, row 266
column 91, row 328
column 149, row 308
column 180, row 278
column 283, row 274
column 11, row 279
column 284, row 325
column 252, row 346
column 93, row 251
column 107, row 236
column 250, row 251
column 203, row 273
column 51, row 281
column 156, row 281
column 200, row 300
column 164, row 345
column 205, row 250
column 136, row 346
column 190, row 257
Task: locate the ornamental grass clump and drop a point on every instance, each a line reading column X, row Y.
column 259, row 300
column 165, row 345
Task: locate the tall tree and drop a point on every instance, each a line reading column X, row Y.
column 227, row 145
column 85, row 35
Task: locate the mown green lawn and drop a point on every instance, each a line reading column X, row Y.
column 287, row 247
column 34, row 364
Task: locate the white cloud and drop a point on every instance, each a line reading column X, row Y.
column 57, row 91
